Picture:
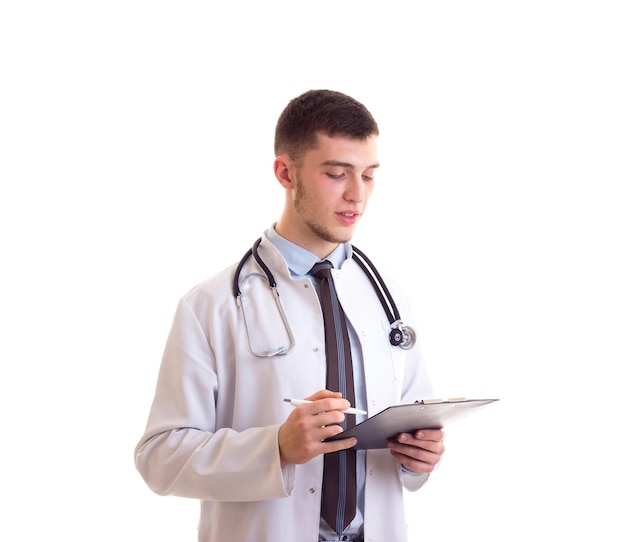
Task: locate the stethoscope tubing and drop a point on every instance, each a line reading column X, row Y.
column 401, row 335
column 380, row 287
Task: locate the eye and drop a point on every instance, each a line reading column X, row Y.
column 335, row 176
column 368, row 176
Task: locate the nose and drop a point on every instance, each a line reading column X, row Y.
column 355, row 191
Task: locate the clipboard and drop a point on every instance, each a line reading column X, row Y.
column 429, row 414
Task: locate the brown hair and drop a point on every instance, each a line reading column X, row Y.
column 320, row 111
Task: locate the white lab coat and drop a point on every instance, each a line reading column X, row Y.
column 212, row 432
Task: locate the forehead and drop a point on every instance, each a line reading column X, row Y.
column 357, row 152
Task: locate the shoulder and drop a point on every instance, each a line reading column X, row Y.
column 213, row 289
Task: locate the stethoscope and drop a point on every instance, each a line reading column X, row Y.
column 400, row 334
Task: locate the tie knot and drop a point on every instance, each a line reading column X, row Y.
column 321, row 269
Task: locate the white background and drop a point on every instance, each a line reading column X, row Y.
column 136, row 159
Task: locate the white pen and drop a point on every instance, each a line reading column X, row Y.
column 298, row 402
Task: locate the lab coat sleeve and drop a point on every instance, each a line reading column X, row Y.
column 184, row 450
column 413, row 481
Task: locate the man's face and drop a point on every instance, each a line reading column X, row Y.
column 331, row 187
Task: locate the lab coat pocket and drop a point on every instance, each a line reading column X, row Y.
column 396, row 355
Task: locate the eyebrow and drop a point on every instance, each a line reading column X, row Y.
column 346, row 164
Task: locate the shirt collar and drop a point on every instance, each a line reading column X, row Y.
column 300, row 260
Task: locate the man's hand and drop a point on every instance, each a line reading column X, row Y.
column 300, row 437
column 418, row 452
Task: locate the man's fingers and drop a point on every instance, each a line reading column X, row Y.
column 337, row 445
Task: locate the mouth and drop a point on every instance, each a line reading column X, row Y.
column 349, row 218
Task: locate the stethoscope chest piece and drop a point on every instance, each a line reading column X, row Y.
column 402, row 336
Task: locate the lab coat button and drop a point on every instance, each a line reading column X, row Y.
column 311, row 490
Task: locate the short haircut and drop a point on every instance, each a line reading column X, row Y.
column 320, row 111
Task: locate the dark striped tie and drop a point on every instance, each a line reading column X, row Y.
column 339, row 485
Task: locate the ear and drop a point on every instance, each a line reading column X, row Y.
column 283, row 168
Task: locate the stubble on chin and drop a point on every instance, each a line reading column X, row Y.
column 328, row 236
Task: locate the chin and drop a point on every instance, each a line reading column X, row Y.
column 343, row 239
column 334, row 236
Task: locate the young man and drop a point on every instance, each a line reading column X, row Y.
column 219, row 429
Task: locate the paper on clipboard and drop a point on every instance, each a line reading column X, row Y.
column 374, row 432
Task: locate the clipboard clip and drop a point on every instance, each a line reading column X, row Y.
column 448, row 400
